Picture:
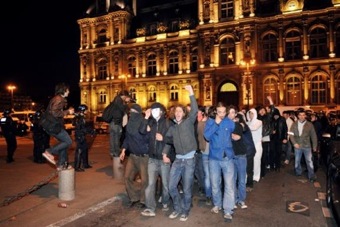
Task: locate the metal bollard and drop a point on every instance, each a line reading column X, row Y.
column 118, row 169
column 66, row 184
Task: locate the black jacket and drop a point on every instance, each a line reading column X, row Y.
column 161, row 126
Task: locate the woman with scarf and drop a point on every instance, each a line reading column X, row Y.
column 137, row 146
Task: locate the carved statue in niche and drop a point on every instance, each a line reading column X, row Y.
column 207, row 52
column 207, row 90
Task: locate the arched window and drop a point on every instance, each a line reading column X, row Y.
column 152, row 94
column 173, row 62
column 174, row 93
column 293, row 46
column 318, row 89
column 269, row 48
column 151, row 62
column 270, row 86
column 194, row 60
column 133, row 93
column 102, row 97
column 293, row 91
column 101, row 38
column 337, row 43
column 227, row 51
column 337, row 91
column 102, row 69
column 318, row 43
column 132, row 66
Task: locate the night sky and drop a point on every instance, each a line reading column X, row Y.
column 40, row 42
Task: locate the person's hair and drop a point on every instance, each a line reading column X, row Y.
column 202, row 109
column 231, row 107
column 184, row 108
column 61, row 88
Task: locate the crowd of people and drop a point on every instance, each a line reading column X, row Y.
column 226, row 150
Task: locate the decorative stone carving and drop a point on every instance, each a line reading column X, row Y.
column 141, row 32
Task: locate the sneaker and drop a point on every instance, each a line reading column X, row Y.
column 243, row 205
column 287, row 162
column 208, row 201
column 235, row 207
column 249, row 189
column 148, row 213
column 160, row 199
column 227, row 217
column 49, row 157
column 173, row 215
column 165, row 207
column 215, row 209
column 183, row 217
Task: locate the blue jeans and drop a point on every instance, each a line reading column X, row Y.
column 199, row 173
column 157, row 168
column 115, row 135
column 227, row 167
column 240, row 177
column 307, row 152
column 207, row 185
column 182, row 168
column 60, row 148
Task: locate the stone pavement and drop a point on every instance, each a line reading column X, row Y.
column 99, row 199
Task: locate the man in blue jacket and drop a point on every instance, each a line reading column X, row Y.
column 221, row 158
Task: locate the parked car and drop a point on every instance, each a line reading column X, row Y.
column 330, row 155
column 100, row 125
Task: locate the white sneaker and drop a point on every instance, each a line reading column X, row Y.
column 287, row 162
column 173, row 215
column 215, row 209
column 228, row 217
column 165, row 207
column 148, row 213
column 183, row 217
column 243, row 205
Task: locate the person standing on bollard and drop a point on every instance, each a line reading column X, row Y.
column 157, row 126
column 39, row 138
column 8, row 128
column 57, row 112
column 137, row 145
column 182, row 136
column 81, row 155
column 117, row 109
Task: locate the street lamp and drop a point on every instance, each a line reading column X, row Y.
column 247, row 78
column 11, row 88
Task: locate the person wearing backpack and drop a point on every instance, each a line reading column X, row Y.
column 117, row 109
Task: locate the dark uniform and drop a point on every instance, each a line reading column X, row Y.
column 41, row 139
column 8, row 128
column 81, row 159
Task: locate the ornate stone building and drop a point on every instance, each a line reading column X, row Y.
column 236, row 51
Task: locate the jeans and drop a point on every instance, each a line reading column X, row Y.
column 287, row 148
column 135, row 165
column 207, row 185
column 265, row 159
column 199, row 173
column 228, row 170
column 157, row 168
column 307, row 152
column 60, row 148
column 250, row 170
column 240, row 178
column 182, row 168
column 115, row 135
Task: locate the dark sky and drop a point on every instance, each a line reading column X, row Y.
column 40, row 42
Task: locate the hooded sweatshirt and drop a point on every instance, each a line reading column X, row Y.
column 255, row 126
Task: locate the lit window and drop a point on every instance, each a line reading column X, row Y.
column 318, row 89
column 173, row 62
column 269, row 48
column 293, row 46
column 151, row 62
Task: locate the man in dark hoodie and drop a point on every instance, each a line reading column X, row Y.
column 137, row 144
column 277, row 139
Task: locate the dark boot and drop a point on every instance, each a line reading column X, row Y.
column 86, row 164
column 77, row 161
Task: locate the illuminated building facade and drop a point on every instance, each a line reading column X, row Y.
column 236, row 51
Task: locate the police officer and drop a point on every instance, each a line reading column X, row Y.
column 81, row 160
column 40, row 137
column 8, row 128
